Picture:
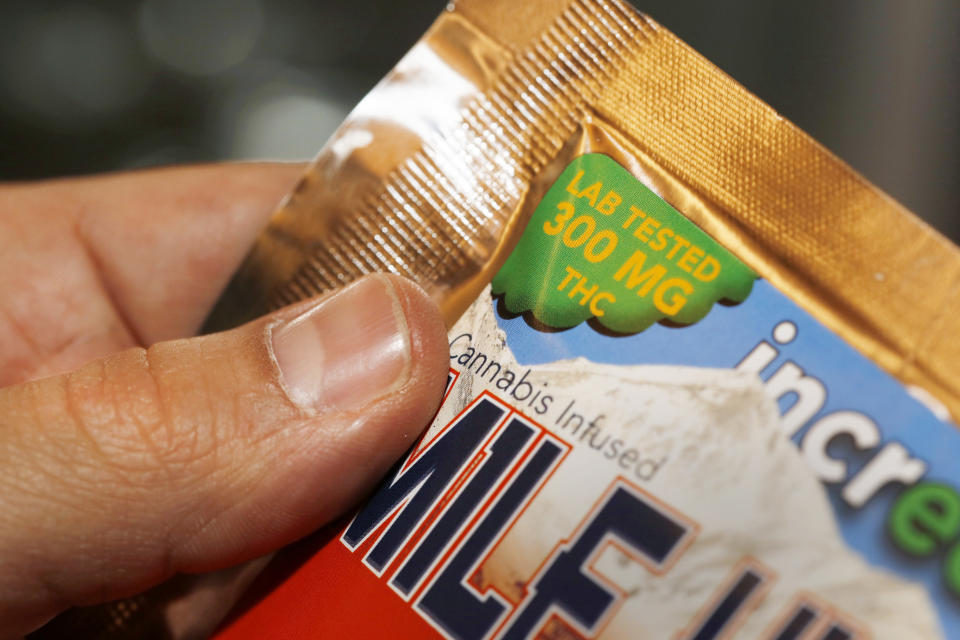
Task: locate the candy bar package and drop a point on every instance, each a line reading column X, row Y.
column 703, row 377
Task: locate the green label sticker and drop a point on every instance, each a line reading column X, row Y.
column 601, row 245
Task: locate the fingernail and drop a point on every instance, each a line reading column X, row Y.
column 346, row 352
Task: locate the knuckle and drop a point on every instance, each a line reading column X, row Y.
column 131, row 414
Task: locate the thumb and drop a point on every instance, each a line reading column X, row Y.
column 197, row 454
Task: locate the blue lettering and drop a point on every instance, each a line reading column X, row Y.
column 566, row 587
column 453, row 606
column 503, row 452
column 421, row 484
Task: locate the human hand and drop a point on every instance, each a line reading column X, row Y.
column 192, row 454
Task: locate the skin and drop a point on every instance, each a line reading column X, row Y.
column 129, row 452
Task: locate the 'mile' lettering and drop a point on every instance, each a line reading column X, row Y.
column 497, row 460
column 429, row 475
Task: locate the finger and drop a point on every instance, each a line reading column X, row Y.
column 168, row 241
column 163, row 242
column 198, row 454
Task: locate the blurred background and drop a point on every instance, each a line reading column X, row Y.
column 90, row 86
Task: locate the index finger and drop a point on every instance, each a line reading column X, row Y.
column 166, row 241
